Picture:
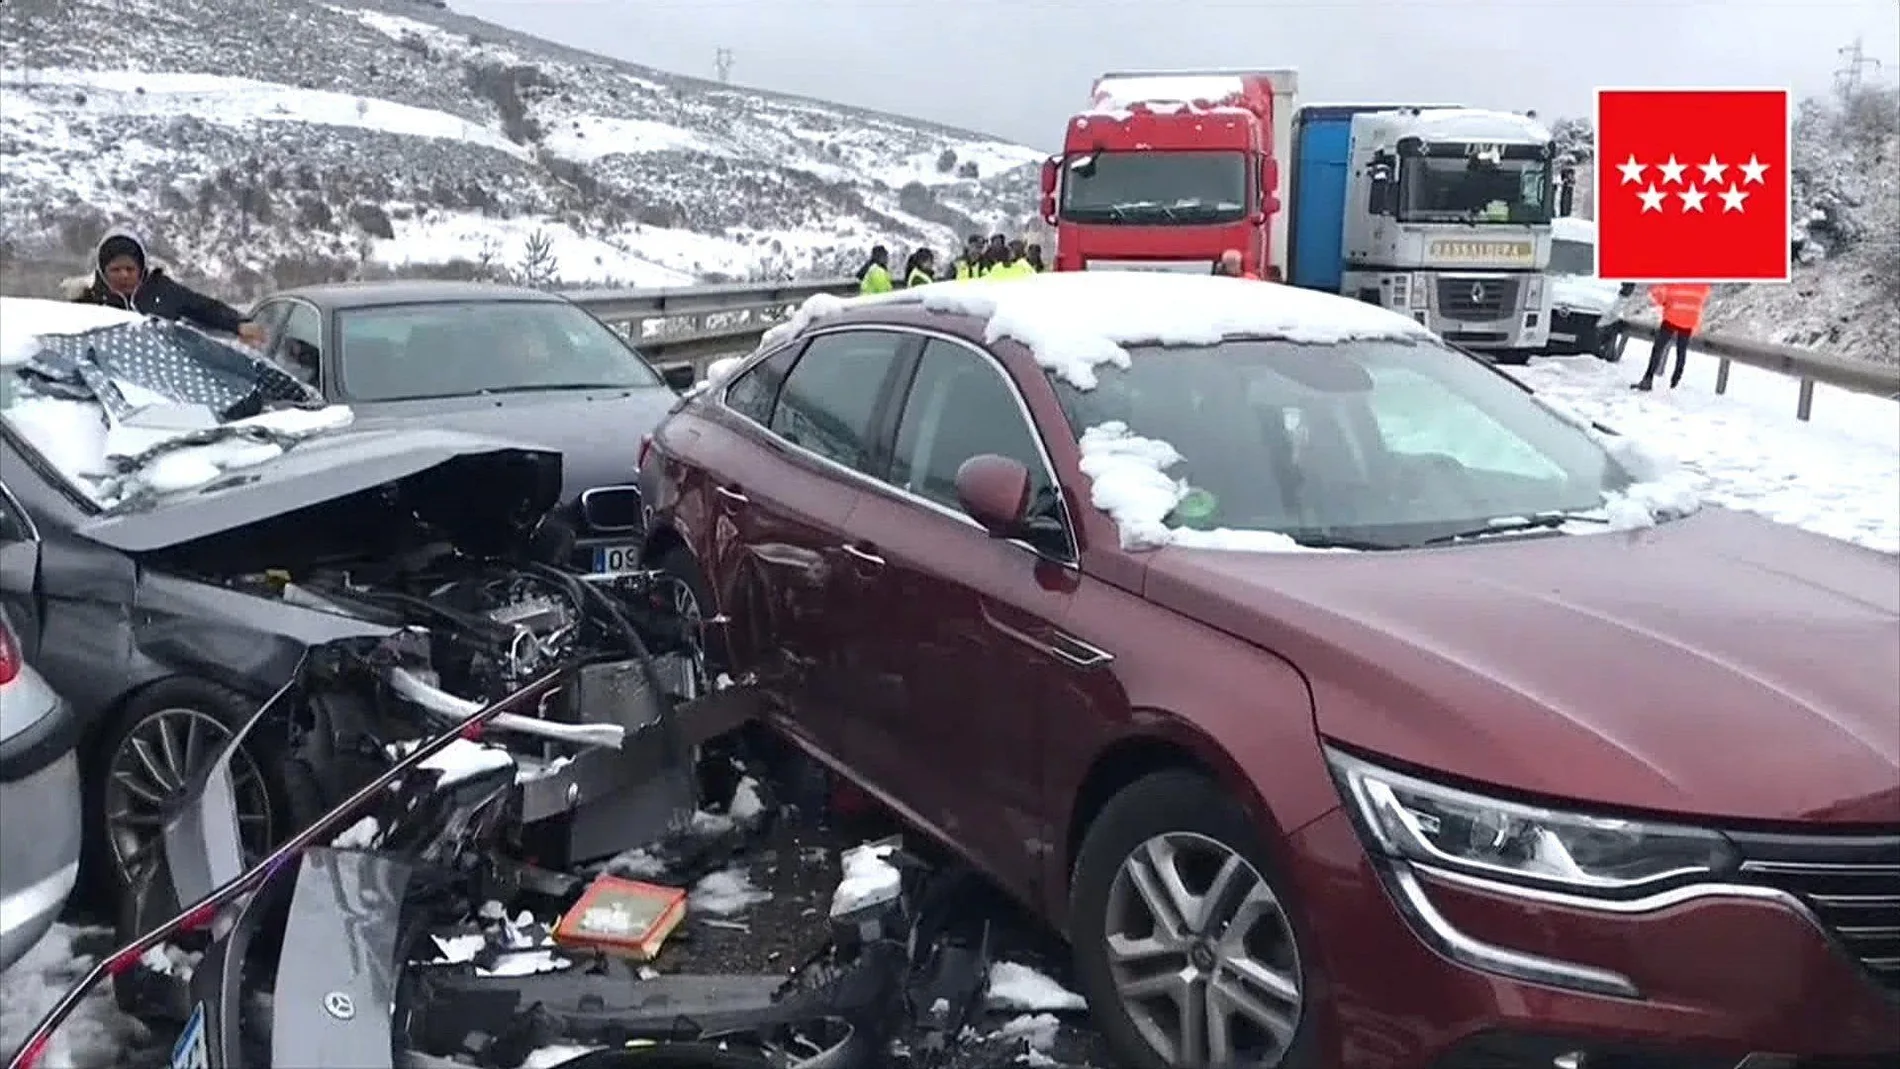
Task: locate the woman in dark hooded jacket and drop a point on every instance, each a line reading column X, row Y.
column 123, row 276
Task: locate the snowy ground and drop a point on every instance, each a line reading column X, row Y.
column 1838, row 475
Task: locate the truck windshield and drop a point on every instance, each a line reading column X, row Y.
column 1439, row 189
column 1155, row 188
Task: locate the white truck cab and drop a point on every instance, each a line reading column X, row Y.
column 1448, row 219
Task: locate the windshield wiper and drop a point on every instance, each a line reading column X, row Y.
column 1360, row 544
column 549, row 387
column 1542, row 521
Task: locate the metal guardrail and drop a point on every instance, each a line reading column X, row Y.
column 1807, row 367
column 690, row 326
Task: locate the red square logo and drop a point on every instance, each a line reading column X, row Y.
column 1692, row 185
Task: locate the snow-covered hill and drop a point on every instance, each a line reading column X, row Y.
column 273, row 142
column 1845, row 295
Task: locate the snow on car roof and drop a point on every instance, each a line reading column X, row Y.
column 1571, row 228
column 93, row 450
column 1076, row 321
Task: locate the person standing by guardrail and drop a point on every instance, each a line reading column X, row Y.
column 1229, row 265
column 921, row 268
column 1681, row 304
column 875, row 275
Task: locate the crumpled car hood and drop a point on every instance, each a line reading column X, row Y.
column 597, row 432
column 480, row 489
column 1721, row 665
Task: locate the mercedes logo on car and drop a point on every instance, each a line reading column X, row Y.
column 339, row 1005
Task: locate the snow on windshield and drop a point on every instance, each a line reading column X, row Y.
column 140, row 407
column 1078, row 323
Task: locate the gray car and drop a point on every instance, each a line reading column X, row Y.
column 498, row 361
column 39, row 802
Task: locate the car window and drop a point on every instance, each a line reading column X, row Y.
column 270, row 316
column 960, row 406
column 1417, row 415
column 753, row 394
column 299, row 341
column 468, row 348
column 1572, row 258
column 830, row 398
column 13, row 523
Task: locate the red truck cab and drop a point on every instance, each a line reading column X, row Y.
column 1166, row 171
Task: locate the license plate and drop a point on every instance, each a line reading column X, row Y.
column 617, row 558
column 191, row 1051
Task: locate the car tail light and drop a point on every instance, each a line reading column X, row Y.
column 646, row 446
column 10, row 659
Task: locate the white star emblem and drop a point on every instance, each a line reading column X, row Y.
column 1632, row 171
column 1672, row 171
column 1692, row 199
column 1652, row 199
column 1712, row 170
column 1732, row 199
column 1753, row 169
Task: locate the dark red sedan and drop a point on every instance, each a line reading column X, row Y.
column 1345, row 705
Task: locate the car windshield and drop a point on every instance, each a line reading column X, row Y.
column 1155, row 188
column 1572, row 258
column 1472, row 189
column 1380, row 444
column 461, row 348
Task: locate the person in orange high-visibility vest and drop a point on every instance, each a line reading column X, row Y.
column 1681, row 306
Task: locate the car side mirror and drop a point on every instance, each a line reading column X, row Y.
column 994, row 491
column 679, row 376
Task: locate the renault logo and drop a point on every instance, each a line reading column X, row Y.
column 339, row 1005
column 1477, row 293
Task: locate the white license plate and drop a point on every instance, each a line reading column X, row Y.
column 191, row 1051
column 617, row 558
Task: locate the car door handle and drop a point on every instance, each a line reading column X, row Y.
column 863, row 554
column 732, row 493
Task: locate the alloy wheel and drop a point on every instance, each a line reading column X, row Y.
column 1202, row 955
column 685, row 605
column 146, row 780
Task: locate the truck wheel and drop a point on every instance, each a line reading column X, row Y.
column 1514, row 357
column 1184, row 941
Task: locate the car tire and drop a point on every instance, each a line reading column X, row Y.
column 679, row 563
column 1185, row 820
column 183, row 704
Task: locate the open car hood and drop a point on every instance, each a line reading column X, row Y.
column 479, row 490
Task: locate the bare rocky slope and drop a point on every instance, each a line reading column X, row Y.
column 272, row 142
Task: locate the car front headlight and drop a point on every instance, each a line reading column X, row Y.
column 1448, row 828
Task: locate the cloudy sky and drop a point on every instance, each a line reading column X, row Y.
column 1017, row 68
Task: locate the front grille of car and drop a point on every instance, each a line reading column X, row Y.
column 1851, row 882
column 1477, row 299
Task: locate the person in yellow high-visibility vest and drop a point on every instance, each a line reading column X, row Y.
column 875, row 275
column 967, row 265
column 920, row 269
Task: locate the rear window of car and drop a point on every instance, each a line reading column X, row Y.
column 464, row 348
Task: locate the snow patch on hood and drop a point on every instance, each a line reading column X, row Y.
column 1663, row 489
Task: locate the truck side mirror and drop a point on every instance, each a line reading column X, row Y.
column 1269, row 185
column 1379, row 190
column 1050, row 173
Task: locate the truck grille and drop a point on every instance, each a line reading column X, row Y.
column 1477, row 299
column 1851, row 882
